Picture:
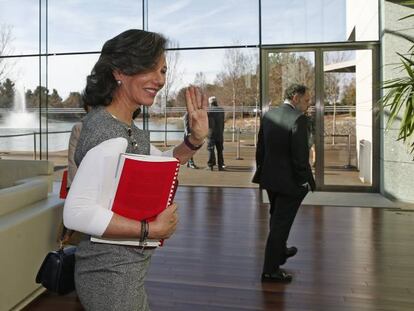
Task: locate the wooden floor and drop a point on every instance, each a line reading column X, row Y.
column 349, row 259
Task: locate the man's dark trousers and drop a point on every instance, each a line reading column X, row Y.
column 283, row 209
column 218, row 144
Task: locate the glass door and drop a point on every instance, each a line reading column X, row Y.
column 341, row 82
column 283, row 68
column 347, row 118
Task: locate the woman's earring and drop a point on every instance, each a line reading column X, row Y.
column 119, row 82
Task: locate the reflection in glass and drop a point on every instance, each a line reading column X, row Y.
column 66, row 81
column 20, row 21
column 229, row 74
column 206, row 23
column 86, row 25
column 285, row 68
column 19, row 103
column 348, row 118
column 18, row 84
column 67, row 74
column 362, row 20
column 303, row 21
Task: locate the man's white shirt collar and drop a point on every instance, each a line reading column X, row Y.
column 287, row 102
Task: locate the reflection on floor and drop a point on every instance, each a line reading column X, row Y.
column 341, row 167
column 350, row 199
column 349, row 259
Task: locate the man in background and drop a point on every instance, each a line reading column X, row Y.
column 283, row 169
column 215, row 134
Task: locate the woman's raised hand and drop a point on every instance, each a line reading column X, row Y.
column 197, row 113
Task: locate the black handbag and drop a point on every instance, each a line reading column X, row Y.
column 58, row 269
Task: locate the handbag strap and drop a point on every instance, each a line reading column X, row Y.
column 65, row 236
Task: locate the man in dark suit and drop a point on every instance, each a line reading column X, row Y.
column 282, row 159
column 215, row 134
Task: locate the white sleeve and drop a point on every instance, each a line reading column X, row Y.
column 87, row 206
column 157, row 152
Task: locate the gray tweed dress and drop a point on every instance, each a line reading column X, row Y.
column 110, row 277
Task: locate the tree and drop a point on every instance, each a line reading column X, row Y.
column 5, row 49
column 399, row 97
column 7, row 92
column 331, row 85
column 172, row 74
column 251, row 92
column 334, row 79
column 171, row 77
column 200, row 80
column 349, row 94
column 285, row 69
column 180, row 97
column 232, row 80
column 32, row 98
column 399, row 100
column 55, row 100
column 74, row 100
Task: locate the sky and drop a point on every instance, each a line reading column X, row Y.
column 83, row 26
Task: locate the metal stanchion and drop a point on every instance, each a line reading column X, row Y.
column 238, row 144
column 165, row 126
column 34, row 145
column 349, row 153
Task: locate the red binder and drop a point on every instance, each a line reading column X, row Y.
column 146, row 185
column 64, row 185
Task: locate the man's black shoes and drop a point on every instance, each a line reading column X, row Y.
column 279, row 276
column 211, row 168
column 291, row 251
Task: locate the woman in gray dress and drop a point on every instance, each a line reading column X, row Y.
column 128, row 74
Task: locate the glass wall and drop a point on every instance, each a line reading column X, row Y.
column 79, row 26
column 19, row 113
column 47, row 49
column 285, row 68
column 231, row 75
column 302, row 21
column 348, row 118
column 19, row 22
column 341, row 115
column 206, row 23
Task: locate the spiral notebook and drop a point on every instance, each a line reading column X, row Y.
column 144, row 186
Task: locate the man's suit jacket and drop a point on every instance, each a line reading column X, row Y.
column 282, row 154
column 216, row 123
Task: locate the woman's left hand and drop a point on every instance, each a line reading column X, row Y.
column 197, row 114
